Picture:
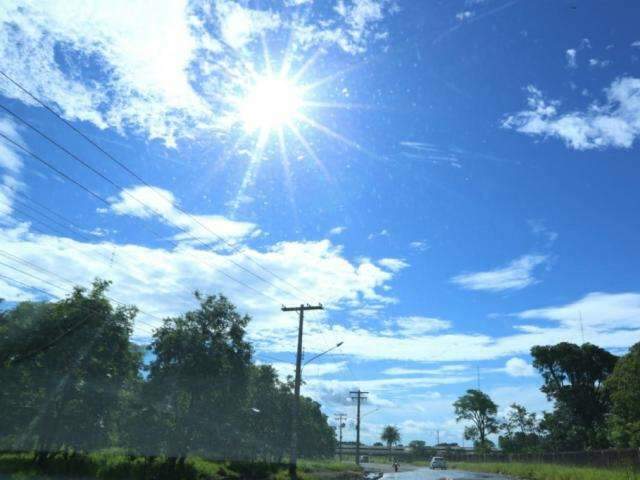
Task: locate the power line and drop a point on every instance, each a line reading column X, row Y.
column 128, row 170
column 56, row 339
column 66, row 280
column 106, row 202
column 124, row 191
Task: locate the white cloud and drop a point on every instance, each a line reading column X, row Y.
column 166, row 72
column 595, row 62
column 464, row 15
column 11, row 162
column 614, row 123
column 417, row 325
column 161, row 281
column 357, row 24
column 393, row 264
column 597, row 310
column 145, row 54
column 442, row 370
column 337, row 230
column 146, row 202
column 571, row 57
column 517, row 367
column 240, row 25
column 382, row 233
column 516, row 275
column 419, row 245
column 636, row 44
column 540, row 229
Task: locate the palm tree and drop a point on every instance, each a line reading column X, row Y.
column 390, row 435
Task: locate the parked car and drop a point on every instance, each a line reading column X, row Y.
column 438, row 462
column 364, row 458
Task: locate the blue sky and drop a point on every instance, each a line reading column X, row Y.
column 456, row 181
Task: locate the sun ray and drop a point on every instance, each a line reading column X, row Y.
column 286, row 166
column 327, row 131
column 310, row 152
column 339, row 105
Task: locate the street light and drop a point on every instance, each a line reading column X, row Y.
column 337, row 345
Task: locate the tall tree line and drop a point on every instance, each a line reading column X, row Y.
column 596, row 404
column 71, row 379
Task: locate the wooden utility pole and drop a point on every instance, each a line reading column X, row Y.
column 340, row 418
column 293, row 456
column 359, row 396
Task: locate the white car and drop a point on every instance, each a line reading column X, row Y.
column 438, row 462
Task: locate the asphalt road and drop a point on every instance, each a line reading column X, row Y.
column 410, row 472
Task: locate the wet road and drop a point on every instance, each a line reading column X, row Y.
column 409, row 472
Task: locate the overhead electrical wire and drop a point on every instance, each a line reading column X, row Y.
column 131, row 172
column 107, row 203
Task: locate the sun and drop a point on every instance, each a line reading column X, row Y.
column 269, row 104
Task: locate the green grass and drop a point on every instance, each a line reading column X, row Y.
column 114, row 465
column 536, row 471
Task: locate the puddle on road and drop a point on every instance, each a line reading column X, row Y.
column 428, row 474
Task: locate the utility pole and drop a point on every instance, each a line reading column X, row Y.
column 293, row 457
column 340, row 418
column 437, row 437
column 359, row 396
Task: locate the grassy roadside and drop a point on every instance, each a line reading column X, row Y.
column 114, row 466
column 535, row 471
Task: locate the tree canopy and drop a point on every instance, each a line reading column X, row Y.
column 574, row 379
column 390, row 435
column 478, row 408
column 623, row 387
column 73, row 380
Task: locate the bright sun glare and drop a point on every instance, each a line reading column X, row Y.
column 270, row 103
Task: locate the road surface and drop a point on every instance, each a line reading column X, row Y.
column 410, row 472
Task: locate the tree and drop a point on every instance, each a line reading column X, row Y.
column 521, row 430
column 70, row 390
column 199, row 379
column 623, row 387
column 478, row 408
column 574, row 379
column 390, row 435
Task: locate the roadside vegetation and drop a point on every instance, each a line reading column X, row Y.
column 534, row 471
column 596, row 405
column 109, row 465
column 74, row 383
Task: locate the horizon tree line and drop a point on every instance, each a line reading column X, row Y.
column 201, row 393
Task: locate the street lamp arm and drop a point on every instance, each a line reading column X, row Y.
column 338, row 345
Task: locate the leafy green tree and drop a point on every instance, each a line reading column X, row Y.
column 624, row 389
column 574, row 379
column 199, row 378
column 317, row 438
column 420, row 451
column 521, row 431
column 478, row 408
column 70, row 389
column 390, row 435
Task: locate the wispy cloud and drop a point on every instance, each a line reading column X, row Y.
column 337, row 230
column 464, row 15
column 614, row 123
column 571, row 57
column 517, row 367
column 539, row 228
column 147, row 202
column 393, row 264
column 516, row 275
column 419, row 245
column 58, row 48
